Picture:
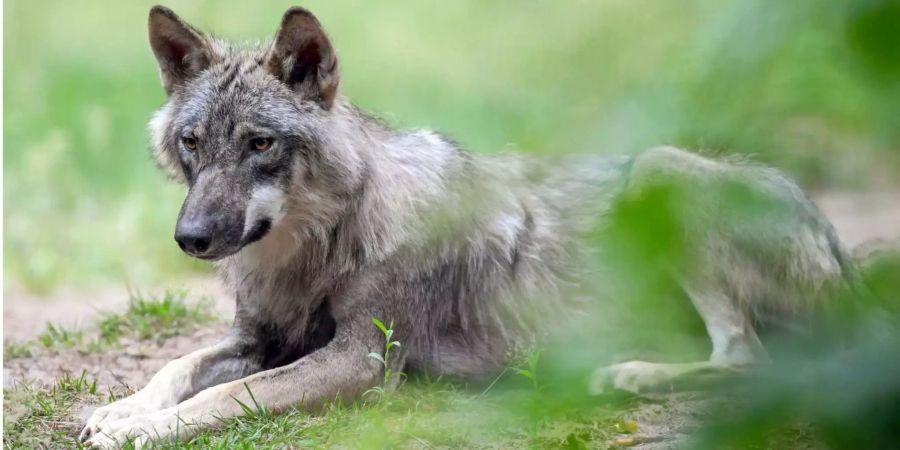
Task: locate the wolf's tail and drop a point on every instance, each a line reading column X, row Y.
column 873, row 284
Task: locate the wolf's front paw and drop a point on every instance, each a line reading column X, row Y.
column 159, row 425
column 114, row 434
column 127, row 407
column 105, row 441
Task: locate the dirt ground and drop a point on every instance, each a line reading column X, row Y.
column 857, row 217
column 25, row 317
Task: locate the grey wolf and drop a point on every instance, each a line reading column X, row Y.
column 320, row 218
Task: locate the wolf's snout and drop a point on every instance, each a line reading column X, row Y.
column 193, row 239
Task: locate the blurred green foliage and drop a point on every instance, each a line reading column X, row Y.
column 806, row 85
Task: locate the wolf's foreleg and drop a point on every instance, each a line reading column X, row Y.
column 340, row 369
column 180, row 379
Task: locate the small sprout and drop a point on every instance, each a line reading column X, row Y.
column 531, row 371
column 384, row 359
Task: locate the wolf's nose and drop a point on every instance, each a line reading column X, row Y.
column 194, row 242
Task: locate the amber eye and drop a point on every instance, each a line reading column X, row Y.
column 261, row 144
column 190, row 143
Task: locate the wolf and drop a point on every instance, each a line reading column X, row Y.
column 322, row 218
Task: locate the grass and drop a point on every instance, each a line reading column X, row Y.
column 146, row 318
column 45, row 416
column 35, row 417
column 423, row 413
column 15, row 350
column 58, row 337
column 803, row 85
column 155, row 318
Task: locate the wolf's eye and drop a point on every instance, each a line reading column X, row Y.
column 261, row 144
column 190, row 143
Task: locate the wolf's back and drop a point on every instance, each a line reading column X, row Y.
column 742, row 228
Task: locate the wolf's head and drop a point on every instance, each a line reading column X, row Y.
column 243, row 127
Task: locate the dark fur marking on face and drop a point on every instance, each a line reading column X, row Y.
column 259, row 230
column 186, row 170
column 250, row 68
column 279, row 169
column 230, row 76
column 229, row 126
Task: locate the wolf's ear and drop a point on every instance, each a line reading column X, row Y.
column 302, row 57
column 180, row 50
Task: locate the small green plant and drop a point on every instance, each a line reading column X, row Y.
column 14, row 350
column 385, row 358
column 154, row 318
column 57, row 336
column 257, row 410
column 110, row 328
column 81, row 384
column 531, row 371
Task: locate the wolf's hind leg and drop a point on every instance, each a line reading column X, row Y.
column 734, row 345
column 734, row 340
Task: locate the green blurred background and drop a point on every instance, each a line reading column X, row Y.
column 809, row 86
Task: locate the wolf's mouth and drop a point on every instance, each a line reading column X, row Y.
column 259, row 230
